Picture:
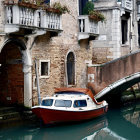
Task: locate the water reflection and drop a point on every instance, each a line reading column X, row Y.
column 125, row 122
column 70, row 132
column 117, row 124
column 132, row 114
column 104, row 134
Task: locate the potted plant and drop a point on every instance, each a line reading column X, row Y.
column 35, row 4
column 28, row 3
column 96, row 15
column 58, row 8
column 25, row 3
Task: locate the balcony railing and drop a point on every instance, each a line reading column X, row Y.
column 87, row 27
column 138, row 11
column 127, row 4
column 31, row 18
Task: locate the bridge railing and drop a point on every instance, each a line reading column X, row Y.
column 108, row 76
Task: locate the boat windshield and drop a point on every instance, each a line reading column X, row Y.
column 80, row 103
column 47, row 102
column 63, row 103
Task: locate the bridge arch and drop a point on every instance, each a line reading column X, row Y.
column 120, row 85
column 114, row 76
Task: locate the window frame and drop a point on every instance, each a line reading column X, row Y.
column 124, row 31
column 52, row 100
column 138, row 8
column 44, row 76
column 64, row 103
column 78, row 105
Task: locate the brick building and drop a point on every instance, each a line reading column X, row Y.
column 61, row 44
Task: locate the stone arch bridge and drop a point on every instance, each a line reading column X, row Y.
column 114, row 76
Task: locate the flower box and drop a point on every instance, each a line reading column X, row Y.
column 28, row 5
column 95, row 18
column 53, row 10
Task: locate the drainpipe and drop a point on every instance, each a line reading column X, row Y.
column 131, row 32
column 132, row 14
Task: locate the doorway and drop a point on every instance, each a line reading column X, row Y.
column 11, row 75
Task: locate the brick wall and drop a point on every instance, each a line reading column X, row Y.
column 56, row 50
column 100, row 55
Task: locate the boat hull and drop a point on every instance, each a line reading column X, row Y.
column 51, row 116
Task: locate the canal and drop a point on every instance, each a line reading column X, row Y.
column 118, row 124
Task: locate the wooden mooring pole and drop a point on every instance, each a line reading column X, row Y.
column 37, row 79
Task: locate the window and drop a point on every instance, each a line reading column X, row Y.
column 44, row 68
column 139, row 33
column 63, row 103
column 124, row 31
column 47, row 102
column 47, row 1
column 80, row 103
column 124, row 27
column 82, row 4
column 138, row 8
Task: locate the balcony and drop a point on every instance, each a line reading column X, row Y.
column 87, row 28
column 138, row 10
column 126, row 4
column 18, row 17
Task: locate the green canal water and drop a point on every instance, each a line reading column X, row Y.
column 117, row 124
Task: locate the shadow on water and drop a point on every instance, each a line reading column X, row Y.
column 117, row 124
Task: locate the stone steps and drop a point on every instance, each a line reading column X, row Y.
column 12, row 114
column 8, row 113
column 7, row 109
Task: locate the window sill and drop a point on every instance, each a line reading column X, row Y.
column 44, row 77
column 71, row 85
column 124, row 45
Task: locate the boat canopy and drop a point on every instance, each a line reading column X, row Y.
column 77, row 91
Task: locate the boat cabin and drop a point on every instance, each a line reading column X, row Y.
column 78, row 101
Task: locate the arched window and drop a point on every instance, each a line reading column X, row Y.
column 71, row 69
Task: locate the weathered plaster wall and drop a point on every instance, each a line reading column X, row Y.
column 105, row 3
column 2, row 21
column 104, row 41
column 110, row 31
